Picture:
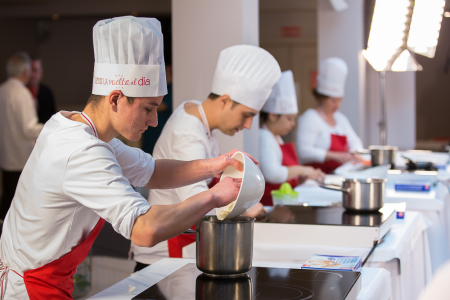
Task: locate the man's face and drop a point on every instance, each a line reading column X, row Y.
column 131, row 120
column 235, row 117
column 36, row 72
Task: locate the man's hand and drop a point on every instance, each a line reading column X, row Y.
column 226, row 191
column 218, row 165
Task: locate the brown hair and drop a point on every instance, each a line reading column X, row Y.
column 213, row 97
column 319, row 97
column 263, row 117
column 94, row 100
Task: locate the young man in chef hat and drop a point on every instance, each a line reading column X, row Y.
column 325, row 137
column 243, row 80
column 79, row 175
column 278, row 160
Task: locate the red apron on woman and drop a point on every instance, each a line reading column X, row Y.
column 289, row 159
column 338, row 143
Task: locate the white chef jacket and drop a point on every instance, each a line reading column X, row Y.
column 314, row 135
column 70, row 181
column 184, row 137
column 19, row 127
column 271, row 157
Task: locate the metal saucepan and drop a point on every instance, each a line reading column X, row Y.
column 361, row 194
column 373, row 218
column 413, row 165
column 224, row 248
column 211, row 288
column 381, row 155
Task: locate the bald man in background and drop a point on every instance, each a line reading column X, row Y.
column 19, row 126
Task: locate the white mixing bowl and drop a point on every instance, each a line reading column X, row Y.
column 252, row 186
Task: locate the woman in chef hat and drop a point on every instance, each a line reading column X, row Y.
column 278, row 161
column 325, row 138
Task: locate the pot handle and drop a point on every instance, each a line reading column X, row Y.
column 189, row 231
column 334, row 188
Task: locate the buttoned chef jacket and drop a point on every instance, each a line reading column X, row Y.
column 184, row 137
column 70, row 181
column 271, row 157
column 314, row 136
column 19, row 127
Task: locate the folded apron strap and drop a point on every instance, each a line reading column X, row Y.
column 55, row 280
column 4, row 270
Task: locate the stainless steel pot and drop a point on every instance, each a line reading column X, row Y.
column 361, row 194
column 362, row 218
column 239, row 288
column 383, row 155
column 224, row 247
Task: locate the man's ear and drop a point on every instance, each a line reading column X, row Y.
column 113, row 99
column 224, row 100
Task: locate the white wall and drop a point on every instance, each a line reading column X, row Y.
column 200, row 30
column 341, row 34
column 401, row 108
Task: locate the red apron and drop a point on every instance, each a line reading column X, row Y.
column 289, row 159
column 338, row 143
column 177, row 243
column 55, row 280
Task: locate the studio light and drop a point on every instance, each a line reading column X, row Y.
column 406, row 62
column 425, row 26
column 388, row 32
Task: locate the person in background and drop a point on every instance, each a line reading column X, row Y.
column 325, row 138
column 19, row 126
column 278, row 161
column 242, row 82
column 151, row 135
column 42, row 95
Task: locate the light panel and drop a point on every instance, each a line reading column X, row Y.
column 387, row 33
column 425, row 26
column 406, row 62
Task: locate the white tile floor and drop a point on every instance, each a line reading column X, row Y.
column 107, row 271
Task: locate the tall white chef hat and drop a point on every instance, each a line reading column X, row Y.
column 332, row 75
column 247, row 74
column 129, row 57
column 282, row 100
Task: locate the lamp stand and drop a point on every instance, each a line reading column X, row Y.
column 382, row 124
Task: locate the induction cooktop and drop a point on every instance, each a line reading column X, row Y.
column 324, row 226
column 188, row 283
column 330, row 215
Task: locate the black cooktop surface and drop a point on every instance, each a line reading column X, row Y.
column 188, row 283
column 330, row 215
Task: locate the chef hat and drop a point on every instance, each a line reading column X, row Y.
column 282, row 100
column 247, row 74
column 332, row 75
column 129, row 56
